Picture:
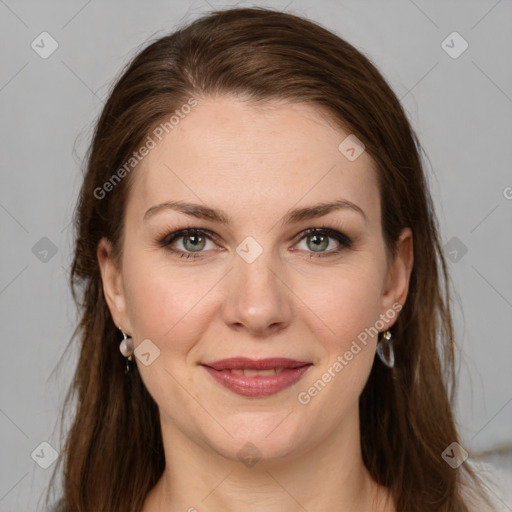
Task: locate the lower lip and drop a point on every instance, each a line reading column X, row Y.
column 258, row 386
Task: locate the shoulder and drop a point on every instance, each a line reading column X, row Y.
column 497, row 486
column 56, row 507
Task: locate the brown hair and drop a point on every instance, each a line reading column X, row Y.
column 113, row 454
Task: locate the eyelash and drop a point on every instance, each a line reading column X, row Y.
column 165, row 241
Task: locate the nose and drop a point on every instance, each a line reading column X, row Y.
column 258, row 298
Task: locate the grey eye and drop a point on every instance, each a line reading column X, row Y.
column 193, row 242
column 317, row 242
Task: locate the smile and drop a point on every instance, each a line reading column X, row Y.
column 257, row 378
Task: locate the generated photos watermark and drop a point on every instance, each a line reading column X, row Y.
column 342, row 360
column 149, row 144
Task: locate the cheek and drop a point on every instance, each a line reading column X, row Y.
column 350, row 308
column 348, row 302
column 164, row 301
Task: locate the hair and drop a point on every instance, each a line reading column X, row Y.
column 113, row 454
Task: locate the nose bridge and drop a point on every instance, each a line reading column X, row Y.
column 256, row 273
column 258, row 297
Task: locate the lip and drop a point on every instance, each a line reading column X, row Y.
column 290, row 372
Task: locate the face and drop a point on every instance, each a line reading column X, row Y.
column 293, row 292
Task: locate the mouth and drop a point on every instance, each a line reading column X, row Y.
column 257, row 378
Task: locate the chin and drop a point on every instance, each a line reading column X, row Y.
column 262, row 436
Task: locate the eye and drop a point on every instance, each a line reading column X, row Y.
column 191, row 241
column 318, row 240
column 194, row 241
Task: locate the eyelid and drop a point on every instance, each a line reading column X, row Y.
column 165, row 239
column 339, row 236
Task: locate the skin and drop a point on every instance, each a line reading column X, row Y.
column 256, row 164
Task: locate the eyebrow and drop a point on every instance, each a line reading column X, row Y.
column 292, row 216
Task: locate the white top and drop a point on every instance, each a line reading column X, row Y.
column 498, row 484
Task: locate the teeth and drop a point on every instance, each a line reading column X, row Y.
column 266, row 373
column 253, row 373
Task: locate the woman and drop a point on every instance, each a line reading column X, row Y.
column 265, row 319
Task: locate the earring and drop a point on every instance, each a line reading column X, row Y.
column 386, row 345
column 126, row 348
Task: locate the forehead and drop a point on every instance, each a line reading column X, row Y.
column 238, row 156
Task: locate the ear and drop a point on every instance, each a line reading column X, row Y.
column 399, row 274
column 113, row 289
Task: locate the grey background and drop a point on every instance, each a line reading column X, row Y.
column 461, row 109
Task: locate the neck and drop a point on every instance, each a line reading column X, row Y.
column 331, row 476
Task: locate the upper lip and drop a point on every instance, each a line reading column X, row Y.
column 242, row 363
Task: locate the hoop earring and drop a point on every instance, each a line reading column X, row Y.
column 126, row 348
column 386, row 345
